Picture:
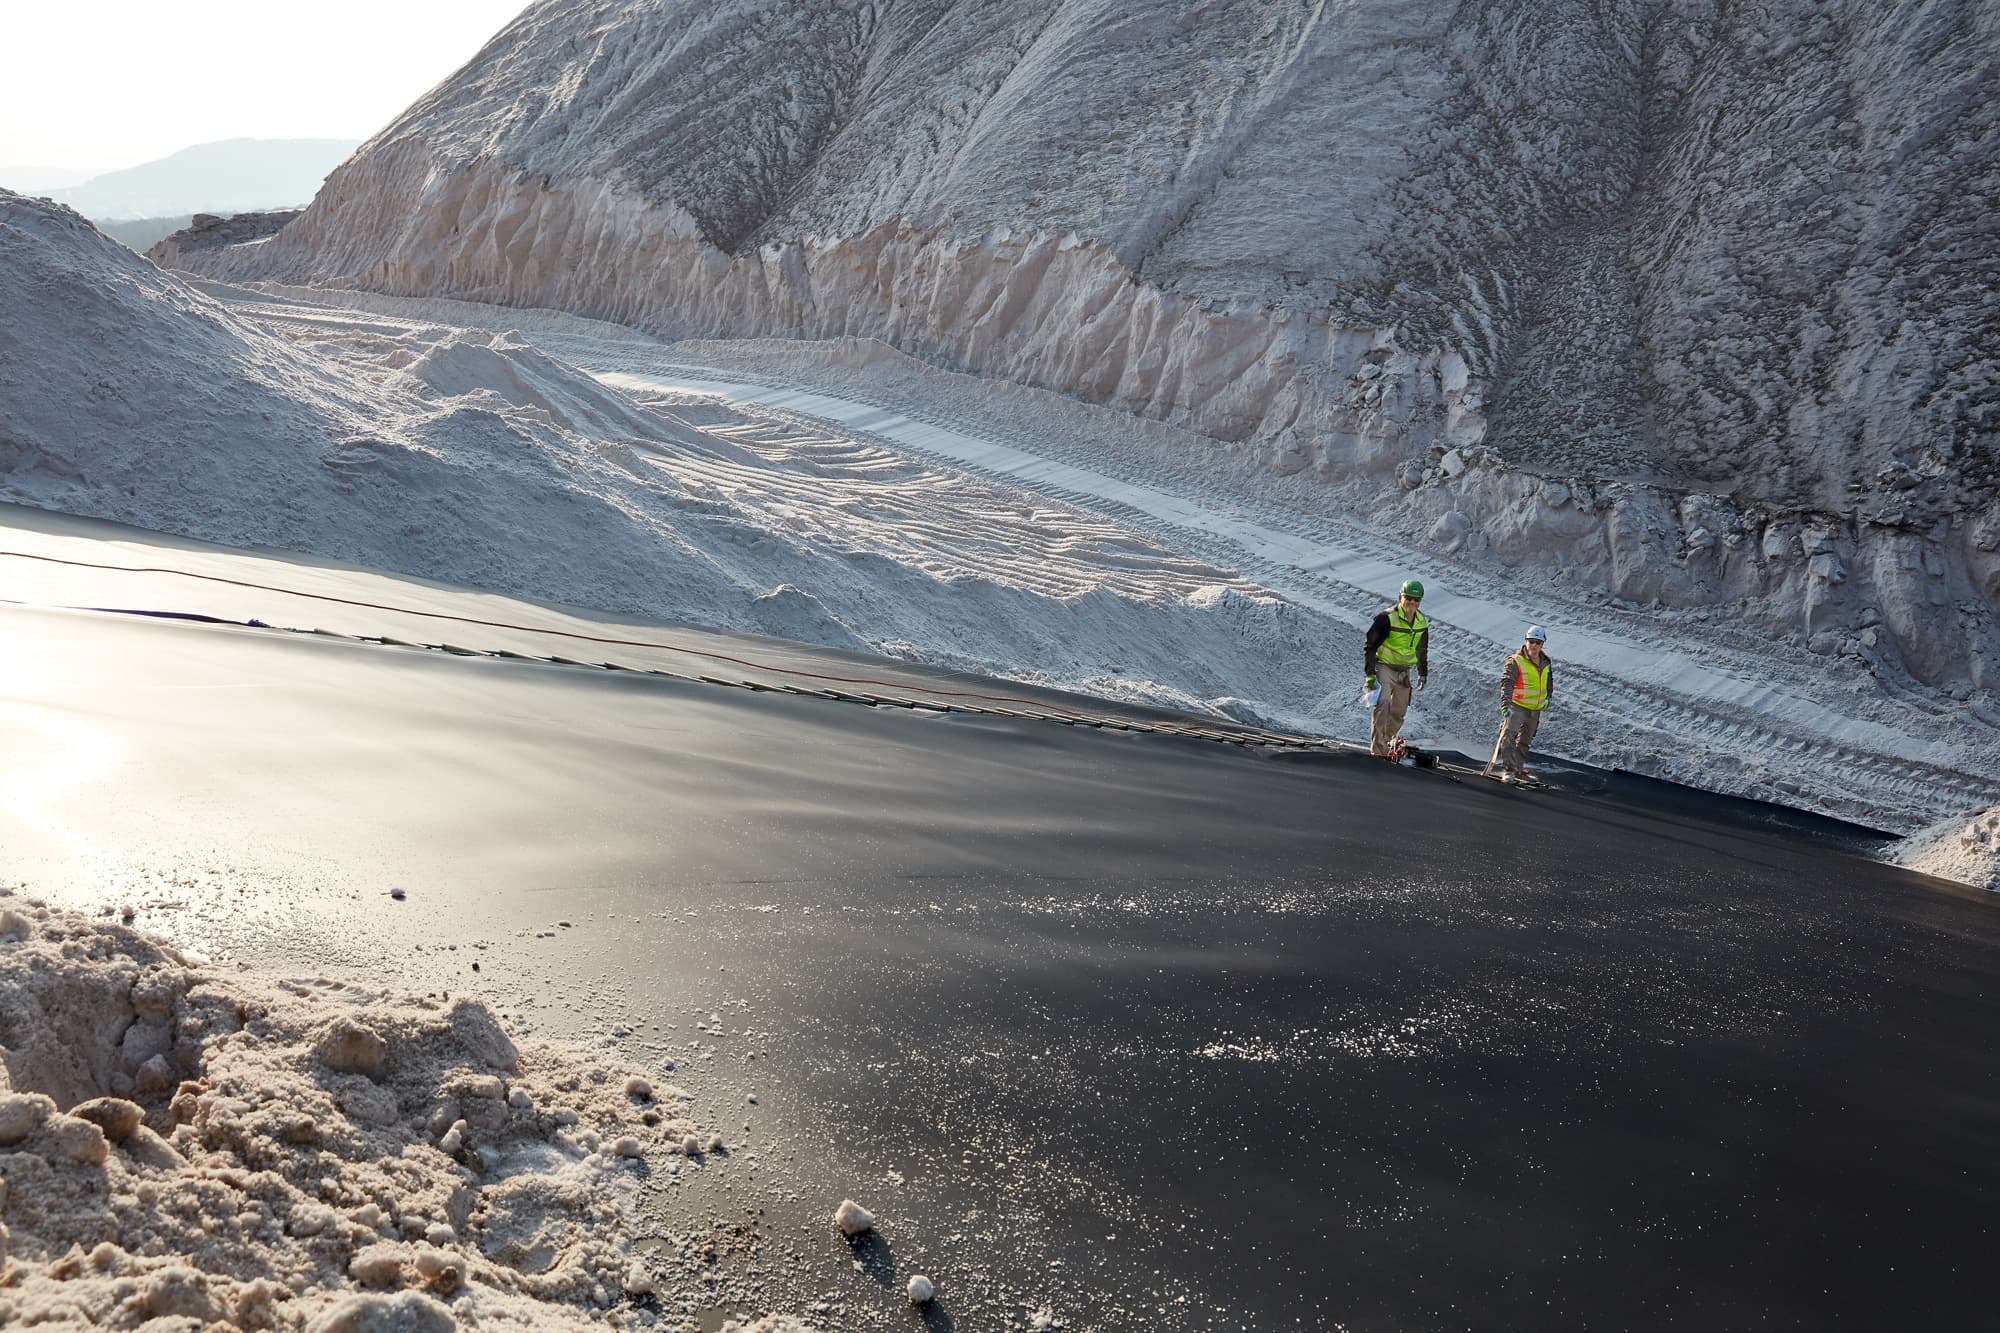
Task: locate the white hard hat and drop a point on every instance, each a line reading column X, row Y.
column 1534, row 635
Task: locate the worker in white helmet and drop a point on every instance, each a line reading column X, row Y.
column 1527, row 683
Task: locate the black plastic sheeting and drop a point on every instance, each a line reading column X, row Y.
column 1171, row 1034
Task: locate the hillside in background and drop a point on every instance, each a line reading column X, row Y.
column 232, row 176
column 1690, row 300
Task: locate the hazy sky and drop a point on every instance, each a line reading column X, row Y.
column 112, row 83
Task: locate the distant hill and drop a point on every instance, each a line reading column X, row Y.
column 234, row 176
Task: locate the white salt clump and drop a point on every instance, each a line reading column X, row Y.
column 350, row 1048
column 443, row 1270
column 22, row 1114
column 922, row 1290
column 13, row 926
column 67, row 1139
column 626, row 1146
column 440, row 1233
column 379, row 1265
column 852, row 1218
column 156, row 1075
column 454, row 1138
column 405, row 1312
column 310, row 1219
column 638, row 1282
column 638, row 1087
column 521, row 1099
column 714, row 1143
column 179, row 1291
column 486, row 1086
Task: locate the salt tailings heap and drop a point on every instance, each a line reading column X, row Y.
column 1693, row 300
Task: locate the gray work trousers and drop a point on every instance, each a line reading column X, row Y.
column 1516, row 734
column 1387, row 721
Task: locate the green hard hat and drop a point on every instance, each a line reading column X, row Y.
column 1412, row 588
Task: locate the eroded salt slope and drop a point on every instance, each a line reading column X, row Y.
column 1692, row 298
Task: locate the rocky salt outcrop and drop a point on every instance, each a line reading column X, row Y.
column 1710, row 285
column 209, row 232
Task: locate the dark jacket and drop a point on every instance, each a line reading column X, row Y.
column 1510, row 676
column 1379, row 630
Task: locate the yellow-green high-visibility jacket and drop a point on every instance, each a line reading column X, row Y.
column 1402, row 642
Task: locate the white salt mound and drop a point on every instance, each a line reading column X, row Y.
column 852, row 1218
column 1965, row 848
column 922, row 1290
column 289, row 1172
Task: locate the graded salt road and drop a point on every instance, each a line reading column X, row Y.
column 1111, row 1030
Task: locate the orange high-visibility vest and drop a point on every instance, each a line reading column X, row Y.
column 1531, row 687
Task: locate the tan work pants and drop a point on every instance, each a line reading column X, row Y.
column 1387, row 721
column 1516, row 734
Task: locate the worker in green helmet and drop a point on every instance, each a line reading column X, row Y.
column 1398, row 643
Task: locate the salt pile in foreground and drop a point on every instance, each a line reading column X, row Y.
column 190, row 1149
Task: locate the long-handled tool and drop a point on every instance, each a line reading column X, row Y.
column 1498, row 741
